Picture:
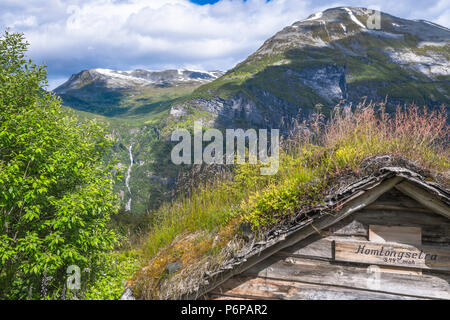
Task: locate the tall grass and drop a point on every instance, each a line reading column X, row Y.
column 205, row 206
column 411, row 132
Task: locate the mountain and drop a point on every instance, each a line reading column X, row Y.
column 331, row 56
column 312, row 65
column 135, row 79
column 109, row 92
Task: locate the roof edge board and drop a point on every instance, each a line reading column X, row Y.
column 424, row 198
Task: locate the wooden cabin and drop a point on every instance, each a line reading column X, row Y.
column 390, row 239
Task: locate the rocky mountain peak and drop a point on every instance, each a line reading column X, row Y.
column 338, row 55
column 135, row 79
column 322, row 29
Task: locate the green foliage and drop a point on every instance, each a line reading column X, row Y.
column 133, row 106
column 56, row 194
column 201, row 210
column 280, row 199
column 116, row 269
column 348, row 140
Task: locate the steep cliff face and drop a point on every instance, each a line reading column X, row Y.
column 262, row 107
column 339, row 54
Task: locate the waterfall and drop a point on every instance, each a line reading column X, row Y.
column 127, row 180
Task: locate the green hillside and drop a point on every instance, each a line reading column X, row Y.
column 142, row 116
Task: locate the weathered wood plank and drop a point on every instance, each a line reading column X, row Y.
column 435, row 228
column 316, row 246
column 407, row 235
column 396, row 199
column 390, row 254
column 404, row 235
column 223, row 297
column 397, row 208
column 288, row 290
column 425, row 198
column 433, row 286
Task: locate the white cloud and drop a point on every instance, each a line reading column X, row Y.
column 157, row 34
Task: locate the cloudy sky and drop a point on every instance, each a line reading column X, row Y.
column 72, row 35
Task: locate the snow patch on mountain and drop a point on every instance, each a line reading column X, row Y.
column 434, row 24
column 384, row 34
column 354, row 19
column 433, row 44
column 315, row 16
column 121, row 79
column 430, row 65
column 118, row 80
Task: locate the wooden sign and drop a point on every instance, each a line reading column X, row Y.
column 403, row 235
column 391, row 254
column 400, row 235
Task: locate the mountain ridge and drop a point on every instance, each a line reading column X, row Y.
column 114, row 93
column 329, row 57
column 135, row 78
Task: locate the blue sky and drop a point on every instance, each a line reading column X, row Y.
column 202, row 2
column 72, row 35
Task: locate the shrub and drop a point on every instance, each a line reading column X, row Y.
column 56, row 194
column 115, row 269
